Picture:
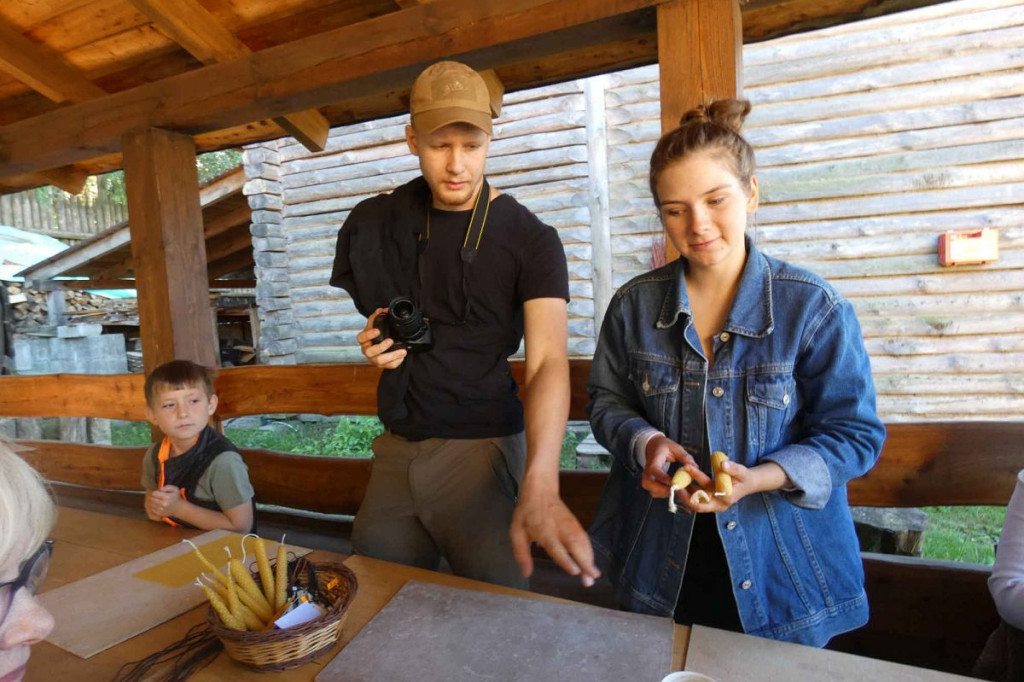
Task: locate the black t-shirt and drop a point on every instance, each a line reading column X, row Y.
column 463, row 386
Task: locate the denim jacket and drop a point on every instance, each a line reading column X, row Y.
column 791, row 383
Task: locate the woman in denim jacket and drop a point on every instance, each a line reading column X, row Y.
column 729, row 349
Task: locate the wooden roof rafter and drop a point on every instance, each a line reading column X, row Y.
column 48, row 74
column 352, row 61
column 626, row 38
column 193, row 27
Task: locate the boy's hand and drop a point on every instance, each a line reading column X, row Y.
column 150, row 507
column 377, row 353
column 162, row 502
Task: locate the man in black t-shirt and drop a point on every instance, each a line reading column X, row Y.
column 463, row 471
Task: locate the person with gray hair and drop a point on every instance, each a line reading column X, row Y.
column 26, row 516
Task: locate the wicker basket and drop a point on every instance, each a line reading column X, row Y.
column 274, row 649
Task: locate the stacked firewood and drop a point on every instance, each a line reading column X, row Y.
column 29, row 307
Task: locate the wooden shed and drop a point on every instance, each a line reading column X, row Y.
column 94, row 85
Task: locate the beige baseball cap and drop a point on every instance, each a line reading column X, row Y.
column 450, row 92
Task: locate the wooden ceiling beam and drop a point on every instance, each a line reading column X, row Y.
column 192, row 26
column 223, row 223
column 224, row 266
column 48, row 74
column 762, row 19
column 69, row 178
column 228, row 245
column 370, row 56
column 116, row 269
column 766, row 19
column 43, row 70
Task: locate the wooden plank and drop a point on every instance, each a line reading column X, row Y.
column 109, row 396
column 948, row 463
column 168, row 249
column 225, row 222
column 926, row 613
column 229, row 264
column 910, row 386
column 229, row 244
column 95, row 466
column 699, row 55
column 70, row 179
column 765, row 19
column 700, row 59
column 42, row 70
column 319, row 389
column 329, row 485
column 352, row 61
column 193, row 27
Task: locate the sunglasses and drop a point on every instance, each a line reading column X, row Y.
column 31, row 575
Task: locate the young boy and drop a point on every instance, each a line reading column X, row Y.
column 195, row 477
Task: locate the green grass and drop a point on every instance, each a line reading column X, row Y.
column 954, row 533
column 963, row 533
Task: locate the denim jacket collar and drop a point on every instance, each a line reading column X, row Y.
column 751, row 313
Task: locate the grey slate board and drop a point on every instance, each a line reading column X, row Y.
column 433, row 632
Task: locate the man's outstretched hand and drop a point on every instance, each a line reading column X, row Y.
column 542, row 517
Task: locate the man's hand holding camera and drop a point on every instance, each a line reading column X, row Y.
column 379, row 353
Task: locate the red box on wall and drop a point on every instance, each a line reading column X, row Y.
column 969, row 247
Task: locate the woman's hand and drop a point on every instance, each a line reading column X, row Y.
column 377, row 353
column 745, row 481
column 660, row 453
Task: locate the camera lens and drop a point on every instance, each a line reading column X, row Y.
column 406, row 319
column 402, row 309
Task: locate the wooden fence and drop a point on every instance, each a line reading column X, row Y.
column 50, row 211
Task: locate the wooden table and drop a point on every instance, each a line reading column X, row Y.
column 90, row 542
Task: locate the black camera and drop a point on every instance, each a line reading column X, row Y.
column 405, row 324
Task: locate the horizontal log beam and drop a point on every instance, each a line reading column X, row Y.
column 922, row 464
column 351, row 61
column 83, row 284
column 320, row 389
column 767, row 19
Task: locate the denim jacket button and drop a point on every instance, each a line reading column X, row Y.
column 745, row 585
column 730, row 526
column 724, row 337
column 718, row 391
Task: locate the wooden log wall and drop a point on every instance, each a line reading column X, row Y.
column 50, row 211
column 872, row 139
column 539, row 155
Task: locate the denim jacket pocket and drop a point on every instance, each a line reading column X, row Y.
column 770, row 397
column 657, row 385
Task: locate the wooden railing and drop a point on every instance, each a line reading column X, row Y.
column 928, row 613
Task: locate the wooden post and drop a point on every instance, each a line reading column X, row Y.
column 700, row 57
column 597, row 173
column 168, row 248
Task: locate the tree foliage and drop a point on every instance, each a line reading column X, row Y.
column 209, row 166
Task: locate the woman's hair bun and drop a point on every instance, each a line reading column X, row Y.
column 728, row 113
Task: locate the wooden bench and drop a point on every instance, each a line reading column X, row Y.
column 934, row 614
